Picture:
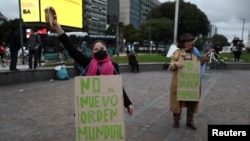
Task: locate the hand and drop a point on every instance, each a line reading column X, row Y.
column 209, row 52
column 178, row 64
column 130, row 109
column 58, row 28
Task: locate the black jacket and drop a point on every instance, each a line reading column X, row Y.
column 84, row 61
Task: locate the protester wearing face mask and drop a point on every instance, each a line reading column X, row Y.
column 98, row 64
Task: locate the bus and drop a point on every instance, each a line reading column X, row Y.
column 51, row 42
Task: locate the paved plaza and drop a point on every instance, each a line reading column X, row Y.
column 43, row 111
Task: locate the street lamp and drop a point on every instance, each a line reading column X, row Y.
column 176, row 20
column 124, row 43
column 149, row 35
column 243, row 28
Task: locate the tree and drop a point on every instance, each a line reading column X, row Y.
column 220, row 38
column 131, row 34
column 191, row 19
column 111, row 30
column 7, row 26
column 159, row 30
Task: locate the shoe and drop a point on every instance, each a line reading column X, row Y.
column 191, row 126
column 176, row 124
column 14, row 70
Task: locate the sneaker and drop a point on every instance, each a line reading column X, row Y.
column 191, row 126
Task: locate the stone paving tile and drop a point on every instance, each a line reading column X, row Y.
column 43, row 111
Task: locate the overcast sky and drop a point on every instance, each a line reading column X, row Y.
column 226, row 15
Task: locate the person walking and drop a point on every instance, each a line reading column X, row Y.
column 14, row 45
column 237, row 48
column 33, row 44
column 98, row 64
column 184, row 52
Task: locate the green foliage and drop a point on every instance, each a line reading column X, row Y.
column 131, row 34
column 7, row 26
column 230, row 57
column 161, row 30
column 221, row 39
column 141, row 58
column 111, row 30
column 191, row 18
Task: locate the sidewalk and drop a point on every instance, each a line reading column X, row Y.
column 43, row 111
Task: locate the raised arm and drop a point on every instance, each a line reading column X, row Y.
column 73, row 51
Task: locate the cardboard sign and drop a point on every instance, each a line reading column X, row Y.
column 188, row 83
column 99, row 108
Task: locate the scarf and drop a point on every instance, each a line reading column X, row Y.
column 107, row 67
column 203, row 66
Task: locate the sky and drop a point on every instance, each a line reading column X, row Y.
column 226, row 15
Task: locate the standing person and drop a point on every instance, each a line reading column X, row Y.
column 133, row 62
column 185, row 51
column 79, row 68
column 83, row 47
column 14, row 45
column 41, row 49
column 98, row 64
column 33, row 44
column 217, row 49
column 237, row 48
column 207, row 45
column 2, row 53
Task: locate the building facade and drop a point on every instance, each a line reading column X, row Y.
column 135, row 12
column 2, row 18
column 212, row 30
column 95, row 16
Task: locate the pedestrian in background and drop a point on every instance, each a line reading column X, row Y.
column 14, row 44
column 33, row 45
column 2, row 53
column 207, row 45
column 184, row 52
column 41, row 49
column 79, row 68
column 98, row 64
column 217, row 49
column 133, row 62
column 237, row 48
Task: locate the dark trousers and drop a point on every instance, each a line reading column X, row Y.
column 237, row 56
column 39, row 57
column 134, row 65
column 13, row 56
column 190, row 113
column 33, row 52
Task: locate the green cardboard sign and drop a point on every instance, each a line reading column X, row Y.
column 99, row 108
column 188, row 83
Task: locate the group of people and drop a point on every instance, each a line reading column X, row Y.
column 236, row 49
column 100, row 63
column 34, row 45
